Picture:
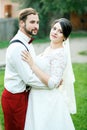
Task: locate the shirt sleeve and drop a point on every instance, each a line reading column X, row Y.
column 23, row 70
column 57, row 64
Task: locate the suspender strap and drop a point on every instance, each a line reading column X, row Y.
column 14, row 41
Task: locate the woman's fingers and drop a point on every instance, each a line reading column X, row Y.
column 27, row 57
column 25, row 54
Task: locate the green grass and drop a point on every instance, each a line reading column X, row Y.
column 84, row 53
column 1, row 89
column 79, row 119
column 76, row 34
column 4, row 44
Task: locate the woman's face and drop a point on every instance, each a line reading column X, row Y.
column 56, row 33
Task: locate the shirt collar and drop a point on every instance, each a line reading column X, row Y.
column 23, row 36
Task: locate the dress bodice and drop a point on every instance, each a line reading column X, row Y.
column 53, row 63
column 47, row 108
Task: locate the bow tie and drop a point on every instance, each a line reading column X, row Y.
column 30, row 40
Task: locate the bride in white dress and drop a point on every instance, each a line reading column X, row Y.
column 49, row 108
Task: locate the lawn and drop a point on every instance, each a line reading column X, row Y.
column 1, row 89
column 74, row 34
column 5, row 44
column 79, row 119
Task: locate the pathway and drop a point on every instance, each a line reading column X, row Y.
column 76, row 45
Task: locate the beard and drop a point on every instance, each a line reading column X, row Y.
column 29, row 32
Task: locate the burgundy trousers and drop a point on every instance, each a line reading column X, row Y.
column 14, row 108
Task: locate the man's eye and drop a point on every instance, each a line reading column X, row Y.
column 54, row 28
column 32, row 21
column 38, row 22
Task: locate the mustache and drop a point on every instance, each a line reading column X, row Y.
column 31, row 32
column 35, row 29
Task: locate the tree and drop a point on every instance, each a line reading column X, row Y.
column 49, row 10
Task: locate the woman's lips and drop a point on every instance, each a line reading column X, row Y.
column 53, row 36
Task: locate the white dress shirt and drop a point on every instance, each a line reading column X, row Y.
column 17, row 72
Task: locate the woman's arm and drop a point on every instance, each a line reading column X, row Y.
column 40, row 74
column 57, row 67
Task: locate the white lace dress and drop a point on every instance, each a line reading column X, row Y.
column 47, row 108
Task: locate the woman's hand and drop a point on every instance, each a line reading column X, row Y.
column 27, row 58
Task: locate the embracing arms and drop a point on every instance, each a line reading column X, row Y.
column 51, row 80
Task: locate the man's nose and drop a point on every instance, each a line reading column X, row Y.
column 36, row 25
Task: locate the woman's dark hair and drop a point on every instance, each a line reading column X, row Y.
column 65, row 25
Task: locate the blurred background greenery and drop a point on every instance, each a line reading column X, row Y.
column 75, row 10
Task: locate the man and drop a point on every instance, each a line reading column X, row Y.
column 15, row 96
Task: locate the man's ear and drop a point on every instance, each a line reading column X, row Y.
column 22, row 23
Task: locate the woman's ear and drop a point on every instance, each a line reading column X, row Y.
column 64, row 39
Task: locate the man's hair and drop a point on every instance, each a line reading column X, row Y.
column 25, row 12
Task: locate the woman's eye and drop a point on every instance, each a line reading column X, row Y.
column 60, row 31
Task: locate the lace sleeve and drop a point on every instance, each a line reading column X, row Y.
column 57, row 63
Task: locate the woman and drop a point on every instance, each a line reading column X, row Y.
column 48, row 108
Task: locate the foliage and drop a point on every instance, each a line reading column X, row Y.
column 50, row 10
column 62, row 6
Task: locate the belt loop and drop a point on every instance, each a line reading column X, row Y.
column 28, row 88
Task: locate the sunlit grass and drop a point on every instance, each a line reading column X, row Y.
column 76, row 34
column 4, row 44
column 80, row 118
column 83, row 52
